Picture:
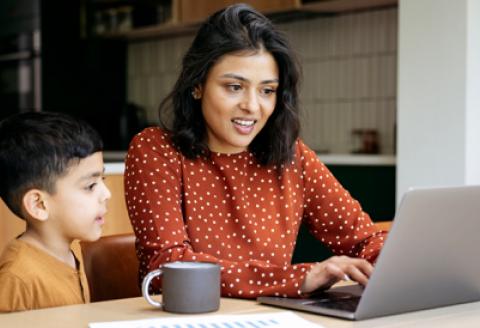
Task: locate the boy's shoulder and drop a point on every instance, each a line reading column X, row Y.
column 12, row 253
column 34, row 279
column 28, row 263
column 20, row 255
column 16, row 276
column 17, row 257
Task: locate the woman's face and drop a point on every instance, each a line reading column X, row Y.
column 237, row 98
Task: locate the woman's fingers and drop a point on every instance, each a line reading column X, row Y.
column 347, row 272
column 336, row 268
column 359, row 270
column 335, row 271
column 357, row 275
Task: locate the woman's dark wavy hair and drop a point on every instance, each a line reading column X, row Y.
column 237, row 28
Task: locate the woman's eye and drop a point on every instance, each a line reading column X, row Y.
column 269, row 91
column 234, row 87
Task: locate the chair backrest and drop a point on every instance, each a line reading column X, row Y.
column 384, row 225
column 111, row 266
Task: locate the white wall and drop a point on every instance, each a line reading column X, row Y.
column 438, row 87
column 473, row 93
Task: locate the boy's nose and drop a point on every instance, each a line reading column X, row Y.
column 106, row 193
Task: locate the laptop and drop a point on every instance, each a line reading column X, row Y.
column 430, row 259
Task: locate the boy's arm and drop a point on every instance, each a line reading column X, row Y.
column 14, row 296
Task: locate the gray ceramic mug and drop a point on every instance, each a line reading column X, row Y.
column 187, row 287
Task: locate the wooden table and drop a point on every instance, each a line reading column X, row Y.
column 466, row 315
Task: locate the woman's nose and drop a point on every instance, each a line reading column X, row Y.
column 250, row 102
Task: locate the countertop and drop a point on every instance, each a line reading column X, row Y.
column 358, row 159
column 114, row 160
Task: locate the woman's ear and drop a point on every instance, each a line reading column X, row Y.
column 34, row 204
column 197, row 92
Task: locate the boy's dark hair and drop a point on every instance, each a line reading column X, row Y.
column 234, row 29
column 37, row 148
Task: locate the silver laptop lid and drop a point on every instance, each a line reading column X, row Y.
column 430, row 258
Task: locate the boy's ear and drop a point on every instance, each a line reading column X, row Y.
column 34, row 204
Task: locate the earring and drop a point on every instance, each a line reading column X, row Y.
column 195, row 95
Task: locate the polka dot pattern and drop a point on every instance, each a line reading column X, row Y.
column 230, row 210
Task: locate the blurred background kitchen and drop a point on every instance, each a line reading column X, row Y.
column 111, row 62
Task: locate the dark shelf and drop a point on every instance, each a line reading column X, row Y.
column 308, row 9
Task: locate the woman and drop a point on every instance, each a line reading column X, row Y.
column 230, row 182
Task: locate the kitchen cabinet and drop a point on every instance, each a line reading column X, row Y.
column 168, row 18
column 371, row 184
column 196, row 11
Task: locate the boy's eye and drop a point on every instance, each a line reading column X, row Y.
column 91, row 186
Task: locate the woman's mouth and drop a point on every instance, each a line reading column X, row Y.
column 244, row 126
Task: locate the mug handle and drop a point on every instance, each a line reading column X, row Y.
column 146, row 283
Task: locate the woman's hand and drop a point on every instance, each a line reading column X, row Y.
column 325, row 274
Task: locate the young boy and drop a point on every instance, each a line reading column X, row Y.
column 51, row 175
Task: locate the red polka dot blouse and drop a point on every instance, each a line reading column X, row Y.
column 230, row 210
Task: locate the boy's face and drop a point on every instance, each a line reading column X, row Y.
column 78, row 207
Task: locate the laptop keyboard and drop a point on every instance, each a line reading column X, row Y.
column 347, row 304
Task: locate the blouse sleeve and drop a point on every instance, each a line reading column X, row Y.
column 153, row 190
column 333, row 216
